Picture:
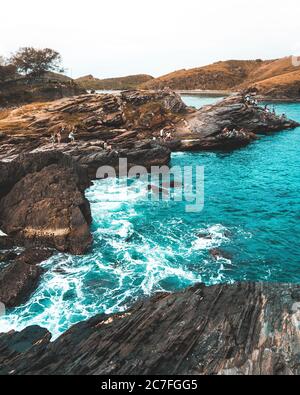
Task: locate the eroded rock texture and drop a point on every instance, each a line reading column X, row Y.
column 21, row 277
column 203, row 130
column 43, row 203
column 225, row 329
column 130, row 124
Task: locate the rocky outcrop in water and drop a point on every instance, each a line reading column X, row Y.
column 20, row 278
column 42, row 202
column 247, row 329
column 204, row 129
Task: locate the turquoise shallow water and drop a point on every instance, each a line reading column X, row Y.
column 251, row 211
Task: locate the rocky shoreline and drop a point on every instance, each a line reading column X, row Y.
column 240, row 329
column 43, row 209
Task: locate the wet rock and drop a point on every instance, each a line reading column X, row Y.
column 34, row 256
column 216, row 253
column 243, row 329
column 20, row 278
column 17, row 282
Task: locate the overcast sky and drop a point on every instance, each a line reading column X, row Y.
column 122, row 37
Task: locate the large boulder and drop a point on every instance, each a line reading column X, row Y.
column 20, row 278
column 43, row 202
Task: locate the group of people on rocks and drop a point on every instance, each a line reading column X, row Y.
column 166, row 134
column 249, row 100
column 267, row 112
column 226, row 132
column 56, row 136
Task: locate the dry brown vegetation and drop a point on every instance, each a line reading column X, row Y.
column 272, row 76
column 122, row 83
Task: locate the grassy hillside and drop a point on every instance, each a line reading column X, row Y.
column 218, row 76
column 122, row 83
column 285, row 86
column 272, row 78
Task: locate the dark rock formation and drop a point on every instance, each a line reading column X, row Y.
column 7, row 256
column 225, row 329
column 19, row 279
column 216, row 253
column 203, row 130
column 22, row 342
column 42, row 202
column 6, row 243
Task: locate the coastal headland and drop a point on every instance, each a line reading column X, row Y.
column 205, row 330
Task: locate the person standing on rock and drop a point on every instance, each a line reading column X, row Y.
column 72, row 135
column 162, row 134
column 58, row 135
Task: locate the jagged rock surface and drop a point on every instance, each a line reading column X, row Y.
column 42, row 202
column 225, row 329
column 19, row 279
column 203, row 130
column 128, row 123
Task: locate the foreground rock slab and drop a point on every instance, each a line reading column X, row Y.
column 225, row 329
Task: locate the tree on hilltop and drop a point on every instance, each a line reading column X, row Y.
column 36, row 62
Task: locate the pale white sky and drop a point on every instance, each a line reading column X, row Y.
column 110, row 38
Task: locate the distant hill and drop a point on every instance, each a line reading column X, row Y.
column 271, row 78
column 18, row 89
column 121, row 83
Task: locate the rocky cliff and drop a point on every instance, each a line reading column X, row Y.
column 42, row 202
column 244, row 329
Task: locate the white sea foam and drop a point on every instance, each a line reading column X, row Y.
column 213, row 236
column 132, row 257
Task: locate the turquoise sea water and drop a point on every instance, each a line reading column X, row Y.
column 251, row 212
